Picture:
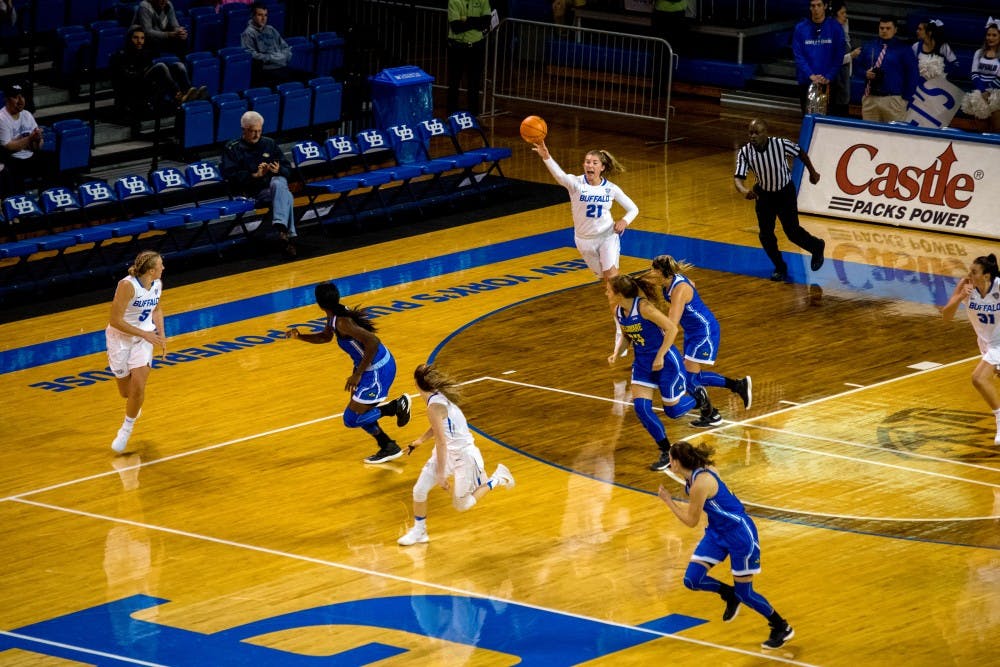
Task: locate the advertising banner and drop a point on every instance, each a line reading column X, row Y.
column 938, row 180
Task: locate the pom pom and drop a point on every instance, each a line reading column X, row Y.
column 931, row 66
column 975, row 104
column 993, row 104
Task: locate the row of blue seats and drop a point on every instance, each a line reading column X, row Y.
column 43, row 16
column 402, row 167
column 225, row 69
column 178, row 207
column 290, row 106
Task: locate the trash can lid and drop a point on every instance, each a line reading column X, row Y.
column 403, row 76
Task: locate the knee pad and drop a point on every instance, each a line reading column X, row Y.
column 644, row 411
column 425, row 482
column 354, row 419
column 678, row 409
column 693, row 575
column 463, row 503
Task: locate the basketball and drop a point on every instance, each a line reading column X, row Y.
column 533, row 130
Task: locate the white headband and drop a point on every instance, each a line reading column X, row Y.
column 938, row 22
column 992, row 22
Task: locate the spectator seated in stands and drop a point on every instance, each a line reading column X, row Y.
column 269, row 50
column 255, row 166
column 144, row 88
column 20, row 143
column 163, row 32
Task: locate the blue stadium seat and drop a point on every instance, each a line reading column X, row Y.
column 326, row 104
column 469, row 137
column 206, row 29
column 174, row 197
column 439, row 145
column 276, row 15
column 71, row 52
column 303, row 54
column 210, row 190
column 411, row 149
column 85, row 12
column 329, row 52
column 204, row 70
column 379, row 157
column 296, row 103
column 138, row 204
column 349, row 175
column 73, row 139
column 41, row 16
column 234, row 22
column 236, row 66
column 108, row 37
column 229, row 109
column 267, row 103
column 196, row 122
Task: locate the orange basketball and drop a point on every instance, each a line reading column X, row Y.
column 533, row 130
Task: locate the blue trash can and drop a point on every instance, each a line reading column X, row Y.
column 402, row 95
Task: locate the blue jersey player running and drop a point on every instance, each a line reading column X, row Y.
column 374, row 370
column 701, row 336
column 657, row 364
column 730, row 532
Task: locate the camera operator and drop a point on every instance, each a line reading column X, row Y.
column 891, row 76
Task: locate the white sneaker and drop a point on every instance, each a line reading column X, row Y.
column 121, row 440
column 502, row 477
column 415, row 535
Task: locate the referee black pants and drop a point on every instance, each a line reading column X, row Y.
column 465, row 61
column 782, row 205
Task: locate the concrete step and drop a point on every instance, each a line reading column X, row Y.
column 111, row 133
column 751, row 101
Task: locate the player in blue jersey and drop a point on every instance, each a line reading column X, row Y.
column 657, row 364
column 701, row 336
column 730, row 532
column 135, row 327
column 374, row 370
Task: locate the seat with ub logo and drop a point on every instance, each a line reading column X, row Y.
column 23, row 214
column 378, row 156
column 410, row 149
column 349, row 174
column 210, row 190
column 175, row 199
column 469, row 137
column 137, row 202
column 98, row 211
column 439, row 145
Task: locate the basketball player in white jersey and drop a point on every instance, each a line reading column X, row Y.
column 135, row 327
column 980, row 291
column 598, row 234
column 455, row 454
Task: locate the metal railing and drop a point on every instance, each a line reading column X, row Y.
column 532, row 62
column 579, row 68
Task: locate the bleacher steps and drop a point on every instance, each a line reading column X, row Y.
column 750, row 101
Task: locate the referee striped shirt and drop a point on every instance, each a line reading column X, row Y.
column 770, row 166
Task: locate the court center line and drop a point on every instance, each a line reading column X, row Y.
column 749, row 421
column 394, row 577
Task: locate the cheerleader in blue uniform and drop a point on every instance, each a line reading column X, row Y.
column 374, row 370
column 701, row 336
column 657, row 364
column 730, row 532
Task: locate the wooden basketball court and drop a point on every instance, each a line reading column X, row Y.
column 243, row 528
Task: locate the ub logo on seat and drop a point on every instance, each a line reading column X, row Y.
column 204, row 171
column 464, row 121
column 96, row 191
column 22, row 205
column 170, row 178
column 435, row 127
column 310, row 150
column 134, row 185
column 340, row 144
column 404, row 132
column 373, row 139
column 59, row 198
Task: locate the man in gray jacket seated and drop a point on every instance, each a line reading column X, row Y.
column 268, row 48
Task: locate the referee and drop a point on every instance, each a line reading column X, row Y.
column 774, row 194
